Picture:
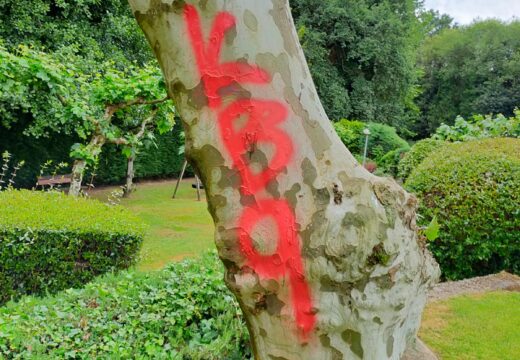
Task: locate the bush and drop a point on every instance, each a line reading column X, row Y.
column 49, row 242
column 472, row 188
column 182, row 312
column 388, row 165
column 419, row 151
column 480, row 127
column 383, row 138
column 351, row 134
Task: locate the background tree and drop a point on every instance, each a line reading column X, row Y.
column 323, row 257
column 361, row 54
column 469, row 70
column 91, row 34
column 98, row 107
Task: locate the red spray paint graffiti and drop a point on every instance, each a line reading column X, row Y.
column 263, row 118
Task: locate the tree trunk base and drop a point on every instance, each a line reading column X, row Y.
column 418, row 350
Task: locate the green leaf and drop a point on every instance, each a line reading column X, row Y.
column 432, row 231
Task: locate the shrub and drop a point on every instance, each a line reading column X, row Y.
column 419, row 151
column 182, row 312
column 480, row 127
column 49, row 242
column 388, row 165
column 383, row 138
column 351, row 134
column 472, row 188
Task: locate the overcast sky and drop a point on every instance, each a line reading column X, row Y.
column 465, row 11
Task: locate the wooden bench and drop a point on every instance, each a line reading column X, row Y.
column 54, row 180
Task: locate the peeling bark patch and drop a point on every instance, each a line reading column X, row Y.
column 336, row 354
column 338, row 194
column 353, row 338
column 248, row 200
column 379, row 256
column 291, row 195
column 322, row 196
column 203, row 4
column 157, row 7
column 309, row 172
column 229, row 178
column 274, row 305
column 250, row 20
column 284, row 23
column 390, row 346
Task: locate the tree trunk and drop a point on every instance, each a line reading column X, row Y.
column 323, row 257
column 78, row 169
column 130, row 173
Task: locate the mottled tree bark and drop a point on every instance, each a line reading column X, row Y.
column 323, row 257
column 130, row 173
column 78, row 168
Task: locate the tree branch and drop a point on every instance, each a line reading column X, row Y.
column 112, row 108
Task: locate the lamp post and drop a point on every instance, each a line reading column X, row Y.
column 366, row 132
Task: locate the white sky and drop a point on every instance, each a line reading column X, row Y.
column 465, row 11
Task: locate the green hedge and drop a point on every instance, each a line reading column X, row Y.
column 182, row 312
column 389, row 164
column 50, row 242
column 419, row 151
column 382, row 140
column 473, row 189
column 152, row 162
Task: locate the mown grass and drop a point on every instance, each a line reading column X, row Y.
column 474, row 327
column 178, row 228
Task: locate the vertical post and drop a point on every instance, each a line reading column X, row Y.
column 198, row 187
column 367, row 134
column 180, row 178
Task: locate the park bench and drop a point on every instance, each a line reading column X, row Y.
column 54, row 180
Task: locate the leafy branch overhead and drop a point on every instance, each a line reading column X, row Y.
column 124, row 106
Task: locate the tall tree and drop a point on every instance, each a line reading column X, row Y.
column 323, row 257
column 93, row 29
column 361, row 55
column 469, row 70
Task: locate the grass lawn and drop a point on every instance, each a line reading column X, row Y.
column 178, row 227
column 483, row 327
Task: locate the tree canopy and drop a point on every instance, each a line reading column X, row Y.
column 469, row 70
column 362, row 56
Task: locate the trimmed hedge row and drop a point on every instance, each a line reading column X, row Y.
column 473, row 189
column 182, row 312
column 50, row 242
column 419, row 151
column 153, row 162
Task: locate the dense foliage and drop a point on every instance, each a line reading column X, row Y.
column 155, row 160
column 94, row 30
column 50, row 242
column 472, row 188
column 182, row 312
column 469, row 70
column 61, row 63
column 362, row 56
column 480, row 127
column 417, row 153
column 382, row 140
